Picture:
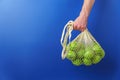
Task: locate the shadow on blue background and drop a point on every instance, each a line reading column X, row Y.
column 30, row 34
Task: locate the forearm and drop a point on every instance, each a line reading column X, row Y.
column 87, row 6
column 80, row 22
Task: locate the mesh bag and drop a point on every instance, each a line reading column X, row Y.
column 83, row 50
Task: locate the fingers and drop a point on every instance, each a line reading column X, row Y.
column 76, row 26
column 83, row 28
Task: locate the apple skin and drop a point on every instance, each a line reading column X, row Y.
column 100, row 53
column 81, row 46
column 81, row 53
column 96, row 59
column 96, row 47
column 77, row 62
column 76, row 46
column 89, row 54
column 87, row 62
column 73, row 46
column 71, row 55
column 88, row 49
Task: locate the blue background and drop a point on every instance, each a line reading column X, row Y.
column 30, row 32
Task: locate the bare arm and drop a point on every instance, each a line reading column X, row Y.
column 81, row 21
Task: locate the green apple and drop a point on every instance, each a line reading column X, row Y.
column 102, row 53
column 88, row 49
column 71, row 55
column 96, row 47
column 81, row 45
column 87, row 62
column 73, row 45
column 80, row 59
column 89, row 54
column 96, row 59
column 77, row 62
column 80, row 54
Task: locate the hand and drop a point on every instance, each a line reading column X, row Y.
column 81, row 22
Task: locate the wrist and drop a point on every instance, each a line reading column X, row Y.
column 84, row 15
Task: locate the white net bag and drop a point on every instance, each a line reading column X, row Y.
column 83, row 50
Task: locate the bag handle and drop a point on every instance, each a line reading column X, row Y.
column 65, row 35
